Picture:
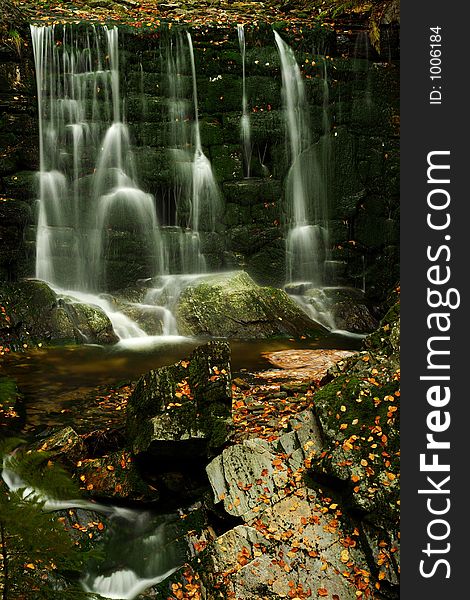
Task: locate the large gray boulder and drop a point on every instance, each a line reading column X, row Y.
column 232, row 305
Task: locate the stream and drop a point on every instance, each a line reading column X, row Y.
column 56, row 383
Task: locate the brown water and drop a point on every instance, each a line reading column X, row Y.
column 60, row 386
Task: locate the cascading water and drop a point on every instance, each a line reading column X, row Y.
column 88, row 186
column 89, row 200
column 205, row 197
column 307, row 246
column 155, row 545
column 182, row 245
column 154, row 548
column 307, row 238
column 245, row 125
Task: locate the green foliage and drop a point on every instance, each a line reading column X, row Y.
column 38, row 557
column 11, row 22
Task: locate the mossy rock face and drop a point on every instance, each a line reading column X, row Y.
column 21, row 185
column 183, row 410
column 231, row 305
column 248, row 192
column 15, row 212
column 268, row 266
column 64, row 445
column 359, row 417
column 149, row 320
column 34, row 314
column 114, row 476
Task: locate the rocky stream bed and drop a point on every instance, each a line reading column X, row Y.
column 283, row 482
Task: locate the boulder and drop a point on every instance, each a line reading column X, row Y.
column 182, row 411
column 347, row 306
column 34, row 313
column 301, row 365
column 64, row 445
column 114, row 476
column 232, row 305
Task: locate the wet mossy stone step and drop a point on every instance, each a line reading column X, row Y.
column 248, row 192
column 34, row 314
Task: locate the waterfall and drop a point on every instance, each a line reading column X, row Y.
column 154, row 549
column 182, row 245
column 88, row 192
column 307, row 238
column 245, row 125
column 205, row 198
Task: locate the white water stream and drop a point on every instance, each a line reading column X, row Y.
column 154, row 546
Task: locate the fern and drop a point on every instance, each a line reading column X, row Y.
column 38, row 558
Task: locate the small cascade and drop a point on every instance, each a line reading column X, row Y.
column 178, row 90
column 155, row 545
column 307, row 238
column 154, row 548
column 123, row 326
column 307, row 245
column 88, row 189
column 205, row 197
column 196, row 195
column 245, row 125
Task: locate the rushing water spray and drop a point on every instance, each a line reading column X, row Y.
column 245, row 125
column 307, row 238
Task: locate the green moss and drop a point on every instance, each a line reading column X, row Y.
column 232, row 305
column 184, row 402
column 359, row 417
column 36, row 314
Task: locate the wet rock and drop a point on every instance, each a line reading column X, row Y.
column 249, row 192
column 301, row 365
column 148, row 318
column 183, row 409
column 232, row 305
column 64, row 445
column 114, row 476
column 249, row 477
column 356, row 318
column 91, row 322
column 36, row 314
column 347, row 307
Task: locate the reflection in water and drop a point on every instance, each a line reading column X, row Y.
column 60, row 384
